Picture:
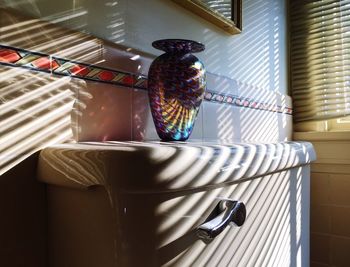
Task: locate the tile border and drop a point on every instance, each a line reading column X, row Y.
column 246, row 102
column 17, row 57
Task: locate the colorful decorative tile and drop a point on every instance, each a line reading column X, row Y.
column 141, row 82
column 16, row 57
column 8, row 55
column 240, row 101
column 91, row 72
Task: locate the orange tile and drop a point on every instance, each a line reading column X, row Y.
column 339, row 189
column 340, row 221
column 320, row 219
column 334, row 150
column 317, row 264
column 320, row 188
column 320, row 248
column 340, row 251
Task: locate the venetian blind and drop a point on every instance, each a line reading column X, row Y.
column 320, row 59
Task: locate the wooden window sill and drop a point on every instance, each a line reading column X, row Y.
column 322, row 136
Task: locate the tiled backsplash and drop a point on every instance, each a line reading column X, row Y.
column 96, row 120
column 105, row 83
column 17, row 57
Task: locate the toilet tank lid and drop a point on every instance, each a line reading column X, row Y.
column 166, row 166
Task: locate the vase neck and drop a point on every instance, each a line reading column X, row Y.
column 178, row 46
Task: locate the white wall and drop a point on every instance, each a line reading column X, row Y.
column 256, row 57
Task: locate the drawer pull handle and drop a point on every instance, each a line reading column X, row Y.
column 225, row 212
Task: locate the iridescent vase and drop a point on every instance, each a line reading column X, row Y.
column 176, row 85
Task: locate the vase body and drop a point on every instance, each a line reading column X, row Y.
column 176, row 85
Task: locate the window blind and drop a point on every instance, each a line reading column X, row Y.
column 320, row 59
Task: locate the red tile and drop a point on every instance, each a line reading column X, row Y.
column 106, row 75
column 54, row 64
column 79, row 70
column 128, row 80
column 42, row 63
column 8, row 55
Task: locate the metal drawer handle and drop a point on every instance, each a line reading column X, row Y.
column 225, row 212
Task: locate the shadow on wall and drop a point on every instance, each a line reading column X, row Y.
column 246, row 122
column 252, row 57
column 35, row 107
column 264, row 48
column 265, row 126
column 255, row 59
column 104, row 19
column 35, row 112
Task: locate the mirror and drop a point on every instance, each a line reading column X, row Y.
column 226, row 14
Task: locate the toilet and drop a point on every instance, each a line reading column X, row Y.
column 144, row 203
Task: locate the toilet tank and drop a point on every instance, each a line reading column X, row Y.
column 143, row 203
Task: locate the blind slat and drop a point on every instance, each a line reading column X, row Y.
column 320, row 58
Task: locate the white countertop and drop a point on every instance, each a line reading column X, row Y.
column 166, row 166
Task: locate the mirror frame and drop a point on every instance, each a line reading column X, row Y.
column 232, row 26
